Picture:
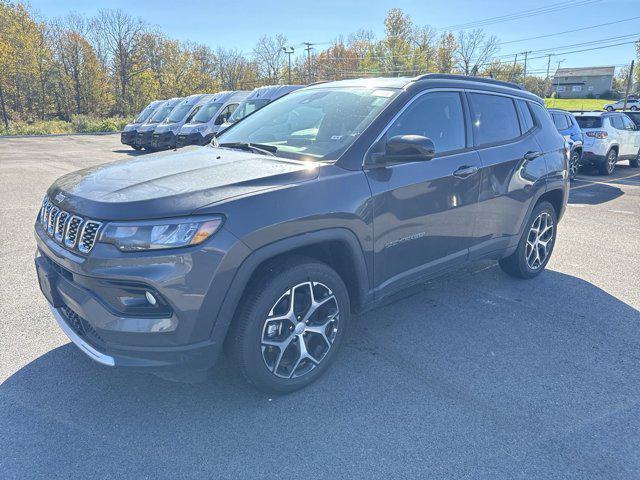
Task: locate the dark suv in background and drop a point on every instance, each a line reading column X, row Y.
column 568, row 127
column 323, row 203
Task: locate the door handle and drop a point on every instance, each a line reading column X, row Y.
column 465, row 171
column 532, row 155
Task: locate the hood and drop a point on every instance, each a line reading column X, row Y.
column 147, row 127
column 130, row 126
column 167, row 127
column 172, row 183
column 188, row 128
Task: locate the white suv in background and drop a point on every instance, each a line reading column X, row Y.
column 619, row 105
column 608, row 139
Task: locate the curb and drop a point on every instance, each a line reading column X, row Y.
column 58, row 135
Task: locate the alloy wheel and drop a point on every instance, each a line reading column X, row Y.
column 612, row 158
column 574, row 165
column 539, row 241
column 300, row 330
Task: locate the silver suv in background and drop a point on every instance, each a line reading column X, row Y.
column 632, row 104
column 166, row 134
column 608, row 139
column 129, row 132
column 201, row 127
column 257, row 99
column 145, row 131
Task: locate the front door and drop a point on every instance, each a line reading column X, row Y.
column 424, row 212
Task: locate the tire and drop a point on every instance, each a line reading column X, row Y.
column 574, row 164
column 609, row 109
column 522, row 263
column 137, row 148
column 252, row 342
column 608, row 166
column 634, row 108
column 635, row 163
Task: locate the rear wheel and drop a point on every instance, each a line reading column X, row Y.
column 291, row 325
column 634, row 108
column 635, row 163
column 609, row 109
column 609, row 165
column 536, row 244
column 574, row 164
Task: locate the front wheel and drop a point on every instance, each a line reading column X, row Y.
column 609, row 165
column 291, row 325
column 609, row 109
column 574, row 164
column 536, row 244
column 634, row 108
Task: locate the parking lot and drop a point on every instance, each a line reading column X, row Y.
column 473, row 375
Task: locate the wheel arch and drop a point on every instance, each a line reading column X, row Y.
column 337, row 247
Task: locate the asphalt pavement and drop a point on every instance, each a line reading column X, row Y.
column 473, row 375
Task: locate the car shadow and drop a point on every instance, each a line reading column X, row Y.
column 593, row 194
column 472, row 373
column 131, row 152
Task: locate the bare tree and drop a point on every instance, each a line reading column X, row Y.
column 361, row 42
column 117, row 35
column 234, row 70
column 474, row 49
column 270, row 57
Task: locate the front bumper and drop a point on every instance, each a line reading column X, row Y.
column 189, row 139
column 128, row 138
column 143, row 139
column 165, row 140
column 183, row 278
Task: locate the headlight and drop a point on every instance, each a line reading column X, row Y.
column 156, row 235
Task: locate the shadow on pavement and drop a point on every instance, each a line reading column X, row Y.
column 474, row 376
column 593, row 194
column 132, row 152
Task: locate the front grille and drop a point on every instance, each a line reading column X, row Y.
column 72, row 231
column 81, row 326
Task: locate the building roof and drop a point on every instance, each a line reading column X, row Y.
column 585, row 72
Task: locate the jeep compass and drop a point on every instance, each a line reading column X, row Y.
column 321, row 204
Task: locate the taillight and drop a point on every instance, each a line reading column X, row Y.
column 597, row 134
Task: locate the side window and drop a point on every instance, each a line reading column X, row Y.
column 437, row 115
column 628, row 124
column 193, row 114
column 616, row 122
column 526, row 115
column 225, row 113
column 494, row 118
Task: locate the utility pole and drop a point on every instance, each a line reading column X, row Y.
column 558, row 82
column 629, row 80
column 524, row 77
column 308, row 48
column 513, row 70
column 288, row 51
column 547, row 84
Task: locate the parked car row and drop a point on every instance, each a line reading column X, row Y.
column 194, row 120
column 600, row 139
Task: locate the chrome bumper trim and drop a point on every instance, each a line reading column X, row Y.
column 80, row 343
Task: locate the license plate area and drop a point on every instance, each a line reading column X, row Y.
column 48, row 278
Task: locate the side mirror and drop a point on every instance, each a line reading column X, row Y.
column 404, row 149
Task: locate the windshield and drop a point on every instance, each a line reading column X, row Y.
column 245, row 108
column 206, row 113
column 160, row 114
column 589, row 122
column 318, row 123
column 178, row 113
column 144, row 114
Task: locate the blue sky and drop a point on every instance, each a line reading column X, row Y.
column 240, row 23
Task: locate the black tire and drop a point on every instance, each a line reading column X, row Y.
column 245, row 340
column 516, row 264
column 608, row 165
column 136, row 148
column 635, row 163
column 609, row 109
column 634, row 108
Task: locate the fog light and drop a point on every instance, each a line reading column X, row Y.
column 150, row 298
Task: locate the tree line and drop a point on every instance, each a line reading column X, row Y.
column 114, row 63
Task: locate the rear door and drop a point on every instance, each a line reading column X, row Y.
column 625, row 142
column 424, row 212
column 513, row 167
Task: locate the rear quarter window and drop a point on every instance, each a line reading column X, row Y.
column 548, row 136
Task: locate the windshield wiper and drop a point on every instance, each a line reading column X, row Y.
column 256, row 147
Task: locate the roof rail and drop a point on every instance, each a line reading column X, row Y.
column 449, row 76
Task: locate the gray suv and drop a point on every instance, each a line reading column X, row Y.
column 321, row 204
